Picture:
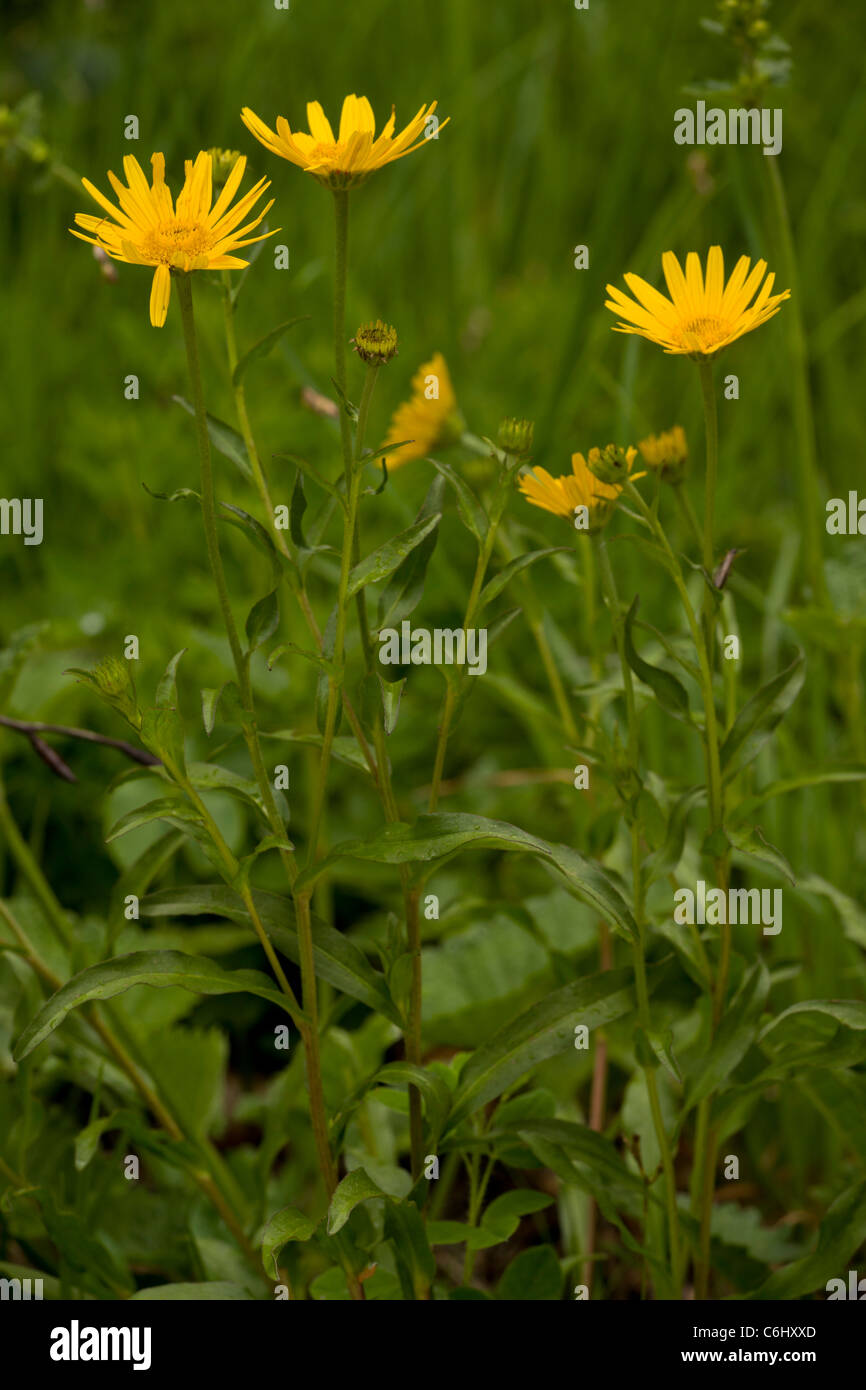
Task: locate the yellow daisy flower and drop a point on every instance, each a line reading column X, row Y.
column 579, row 496
column 703, row 315
column 193, row 234
column 346, row 160
column 666, row 453
column 430, row 419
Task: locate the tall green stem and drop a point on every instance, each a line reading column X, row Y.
column 309, row 1024
column 609, row 587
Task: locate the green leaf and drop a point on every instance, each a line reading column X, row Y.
column 170, row 809
column 842, row 1233
column 255, row 532
column 534, row 1275
column 297, row 507
column 670, row 694
column 156, row 968
column 851, row 914
column 437, row 1097
column 225, row 440
column 288, row 1224
column 737, row 1032
column 470, row 510
column 229, row 697
column 755, row 843
column 166, row 691
column 218, row 1290
column 263, row 620
column 545, row 1030
column 330, row 668
column 264, row 346
column 827, row 1031
column 665, row 859
column 405, row 588
column 335, row 958
column 502, row 1218
column 355, row 1188
column 435, row 837
column 307, row 468
column 851, row 772
column 581, row 1156
column 493, row 588
column 759, row 716
column 404, row 1227
column 386, row 559
column 13, row 657
column 162, row 732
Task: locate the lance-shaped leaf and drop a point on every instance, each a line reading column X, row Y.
column 670, row 694
column 335, row 958
column 436, row 837
column 264, row 346
column 759, row 716
column 493, row 588
column 156, row 968
column 225, row 440
column 385, row 560
column 737, row 1032
column 842, row 1233
column 470, row 510
column 403, row 591
column 545, row 1030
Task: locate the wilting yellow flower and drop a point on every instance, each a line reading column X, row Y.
column 430, row 419
column 666, row 453
column 579, row 496
column 348, row 159
column 702, row 316
column 191, row 235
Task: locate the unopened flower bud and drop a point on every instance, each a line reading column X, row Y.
column 222, row 163
column 375, row 343
column 515, row 437
column 611, row 464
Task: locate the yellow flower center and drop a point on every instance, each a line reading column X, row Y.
column 698, row 333
column 175, row 243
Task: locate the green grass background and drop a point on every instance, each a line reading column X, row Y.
column 560, row 133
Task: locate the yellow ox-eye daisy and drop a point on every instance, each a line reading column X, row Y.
column 345, row 160
column 430, row 419
column 703, row 314
column 578, row 496
column 194, row 233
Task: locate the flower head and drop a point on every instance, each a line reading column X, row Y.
column 666, row 454
column 430, row 419
column 345, row 160
column 579, row 496
column 195, row 233
column 375, row 343
column 703, row 315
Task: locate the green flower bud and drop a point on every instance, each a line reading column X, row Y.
column 515, row 437
column 375, row 343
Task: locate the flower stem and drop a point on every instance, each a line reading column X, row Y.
column 609, row 587
column 341, row 269
column 308, row 1025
